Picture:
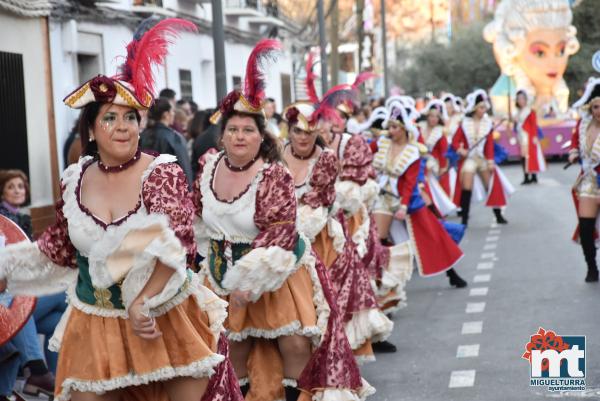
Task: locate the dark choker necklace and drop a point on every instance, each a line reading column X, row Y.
column 115, row 169
column 297, row 156
column 242, row 168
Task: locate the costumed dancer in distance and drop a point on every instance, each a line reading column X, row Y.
column 356, row 301
column 585, row 148
column 139, row 324
column 454, row 108
column 432, row 135
column 256, row 258
column 528, row 133
column 474, row 144
column 398, row 163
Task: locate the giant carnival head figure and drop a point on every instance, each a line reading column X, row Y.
column 532, row 41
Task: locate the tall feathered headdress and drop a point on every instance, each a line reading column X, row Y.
column 311, row 90
column 133, row 85
column 347, row 107
column 250, row 100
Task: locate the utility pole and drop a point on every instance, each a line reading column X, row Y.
column 335, row 42
column 360, row 9
column 323, row 45
column 386, row 89
column 219, row 49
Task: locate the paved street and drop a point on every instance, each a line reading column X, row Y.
column 521, row 277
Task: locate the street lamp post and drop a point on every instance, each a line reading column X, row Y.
column 219, row 49
column 384, row 45
column 322, row 44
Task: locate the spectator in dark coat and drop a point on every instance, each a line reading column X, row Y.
column 205, row 134
column 162, row 139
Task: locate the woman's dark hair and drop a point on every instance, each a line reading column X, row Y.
column 160, row 107
column 7, row 175
column 270, row 149
column 520, row 92
column 319, row 141
column 423, row 117
column 87, row 118
column 199, row 123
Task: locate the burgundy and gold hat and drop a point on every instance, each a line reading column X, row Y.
column 307, row 113
column 251, row 99
column 133, row 86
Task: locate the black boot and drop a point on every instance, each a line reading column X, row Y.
column 534, row 179
column 455, row 279
column 526, row 180
column 499, row 218
column 384, row 347
column 465, row 205
column 245, row 388
column 588, row 244
column 291, row 393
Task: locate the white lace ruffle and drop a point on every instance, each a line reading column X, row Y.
column 369, row 192
column 342, row 394
column 265, row 269
column 364, row 359
column 336, row 232
column 199, row 369
column 368, row 324
column 165, row 247
column 311, row 221
column 221, row 208
column 29, row 272
column 322, row 307
column 361, row 235
column 348, row 196
column 399, row 269
column 294, row 328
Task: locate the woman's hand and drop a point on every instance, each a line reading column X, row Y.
column 239, row 299
column 143, row 325
column 400, row 214
column 462, row 152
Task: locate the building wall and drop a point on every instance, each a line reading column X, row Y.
column 27, row 38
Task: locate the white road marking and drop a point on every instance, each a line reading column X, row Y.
column 462, row 378
column 494, row 232
column 488, row 255
column 475, row 307
column 485, row 265
column 492, row 238
column 467, row 351
column 472, row 327
column 482, row 278
column 490, row 247
column 478, row 292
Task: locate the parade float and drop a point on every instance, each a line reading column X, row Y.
column 533, row 40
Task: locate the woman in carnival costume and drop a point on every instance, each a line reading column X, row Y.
column 585, row 148
column 477, row 169
column 139, row 324
column 356, row 301
column 398, row 163
column 528, row 134
column 432, row 135
column 279, row 316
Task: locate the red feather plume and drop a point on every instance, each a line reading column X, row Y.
column 311, row 91
column 326, row 109
column 254, row 84
column 149, row 47
column 363, row 77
